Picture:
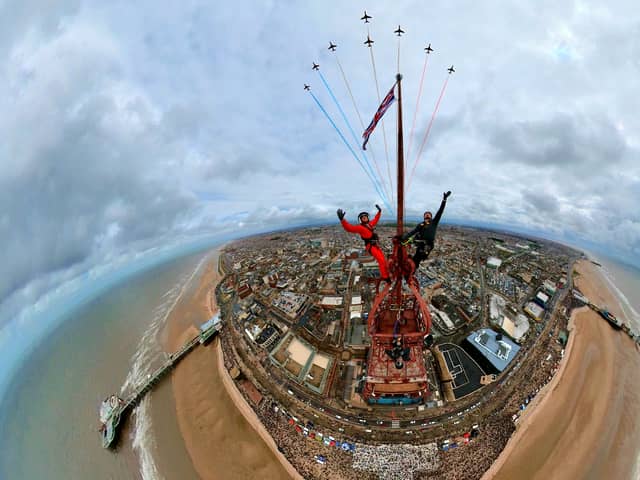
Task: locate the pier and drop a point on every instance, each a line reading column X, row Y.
column 110, row 430
column 608, row 316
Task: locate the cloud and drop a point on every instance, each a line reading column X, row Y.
column 589, row 142
column 80, row 151
column 128, row 124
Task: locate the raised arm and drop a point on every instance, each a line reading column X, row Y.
column 376, row 218
column 350, row 228
column 436, row 219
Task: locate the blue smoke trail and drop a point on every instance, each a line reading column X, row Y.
column 355, row 138
column 384, row 199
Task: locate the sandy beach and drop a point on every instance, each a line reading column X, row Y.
column 583, row 425
column 223, row 436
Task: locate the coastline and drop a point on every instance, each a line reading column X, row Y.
column 222, row 435
column 582, row 424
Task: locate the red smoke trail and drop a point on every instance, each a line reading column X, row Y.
column 426, row 135
column 415, row 112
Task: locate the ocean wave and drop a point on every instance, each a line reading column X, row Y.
column 630, row 313
column 144, row 442
column 145, row 360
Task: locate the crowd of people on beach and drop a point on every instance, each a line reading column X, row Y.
column 396, row 462
column 227, row 352
column 468, row 461
column 473, row 459
column 303, row 451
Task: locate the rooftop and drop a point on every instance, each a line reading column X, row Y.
column 499, row 352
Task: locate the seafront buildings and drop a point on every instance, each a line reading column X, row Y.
column 297, row 305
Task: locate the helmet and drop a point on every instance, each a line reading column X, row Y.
column 362, row 214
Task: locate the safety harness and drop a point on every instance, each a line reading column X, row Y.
column 373, row 240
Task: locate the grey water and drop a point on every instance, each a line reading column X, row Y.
column 49, row 416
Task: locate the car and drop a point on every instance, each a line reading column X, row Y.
column 412, row 422
column 338, row 417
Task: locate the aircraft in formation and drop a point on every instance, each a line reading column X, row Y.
column 450, row 70
column 399, row 31
column 307, row 87
column 315, row 66
column 366, row 17
column 368, row 42
column 428, row 49
column 332, row 46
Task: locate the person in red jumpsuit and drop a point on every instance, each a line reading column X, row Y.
column 366, row 230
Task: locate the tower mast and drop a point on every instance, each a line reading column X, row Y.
column 400, row 183
column 400, row 250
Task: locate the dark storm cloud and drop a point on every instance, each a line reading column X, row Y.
column 84, row 191
column 81, row 151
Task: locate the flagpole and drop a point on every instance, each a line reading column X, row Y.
column 401, row 252
column 400, row 183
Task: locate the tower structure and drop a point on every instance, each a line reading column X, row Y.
column 399, row 321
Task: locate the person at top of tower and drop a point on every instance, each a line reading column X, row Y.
column 366, row 230
column 424, row 234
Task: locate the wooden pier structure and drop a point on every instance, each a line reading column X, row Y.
column 124, row 408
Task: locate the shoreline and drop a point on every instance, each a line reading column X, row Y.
column 554, row 399
column 538, row 403
column 251, row 416
column 200, row 400
column 583, row 424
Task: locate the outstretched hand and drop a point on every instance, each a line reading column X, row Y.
column 445, row 195
column 378, row 207
column 340, row 213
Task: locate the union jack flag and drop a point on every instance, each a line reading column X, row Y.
column 384, row 106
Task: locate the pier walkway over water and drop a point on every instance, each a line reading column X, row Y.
column 114, row 420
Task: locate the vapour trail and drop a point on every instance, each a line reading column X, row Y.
column 355, row 106
column 353, row 134
column 415, row 112
column 426, row 135
column 350, row 149
column 384, row 134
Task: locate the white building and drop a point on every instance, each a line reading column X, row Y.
column 534, row 310
column 494, row 262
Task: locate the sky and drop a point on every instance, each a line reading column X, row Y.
column 128, row 125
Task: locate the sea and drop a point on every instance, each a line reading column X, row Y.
column 49, row 411
column 624, row 280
